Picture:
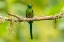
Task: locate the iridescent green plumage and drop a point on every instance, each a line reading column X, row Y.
column 29, row 14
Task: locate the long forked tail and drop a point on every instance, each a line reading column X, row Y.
column 30, row 22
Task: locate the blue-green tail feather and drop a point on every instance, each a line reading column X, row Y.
column 30, row 22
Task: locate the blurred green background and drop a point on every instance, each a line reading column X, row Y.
column 43, row 31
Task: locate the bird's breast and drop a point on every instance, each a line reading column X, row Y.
column 29, row 14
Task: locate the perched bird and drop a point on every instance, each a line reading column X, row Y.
column 29, row 14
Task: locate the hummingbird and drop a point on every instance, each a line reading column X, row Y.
column 29, row 14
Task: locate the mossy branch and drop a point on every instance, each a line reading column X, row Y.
column 57, row 16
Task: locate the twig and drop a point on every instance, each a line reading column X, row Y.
column 13, row 15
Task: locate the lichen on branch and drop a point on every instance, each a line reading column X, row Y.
column 20, row 19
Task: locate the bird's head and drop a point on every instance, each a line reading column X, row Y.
column 30, row 6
